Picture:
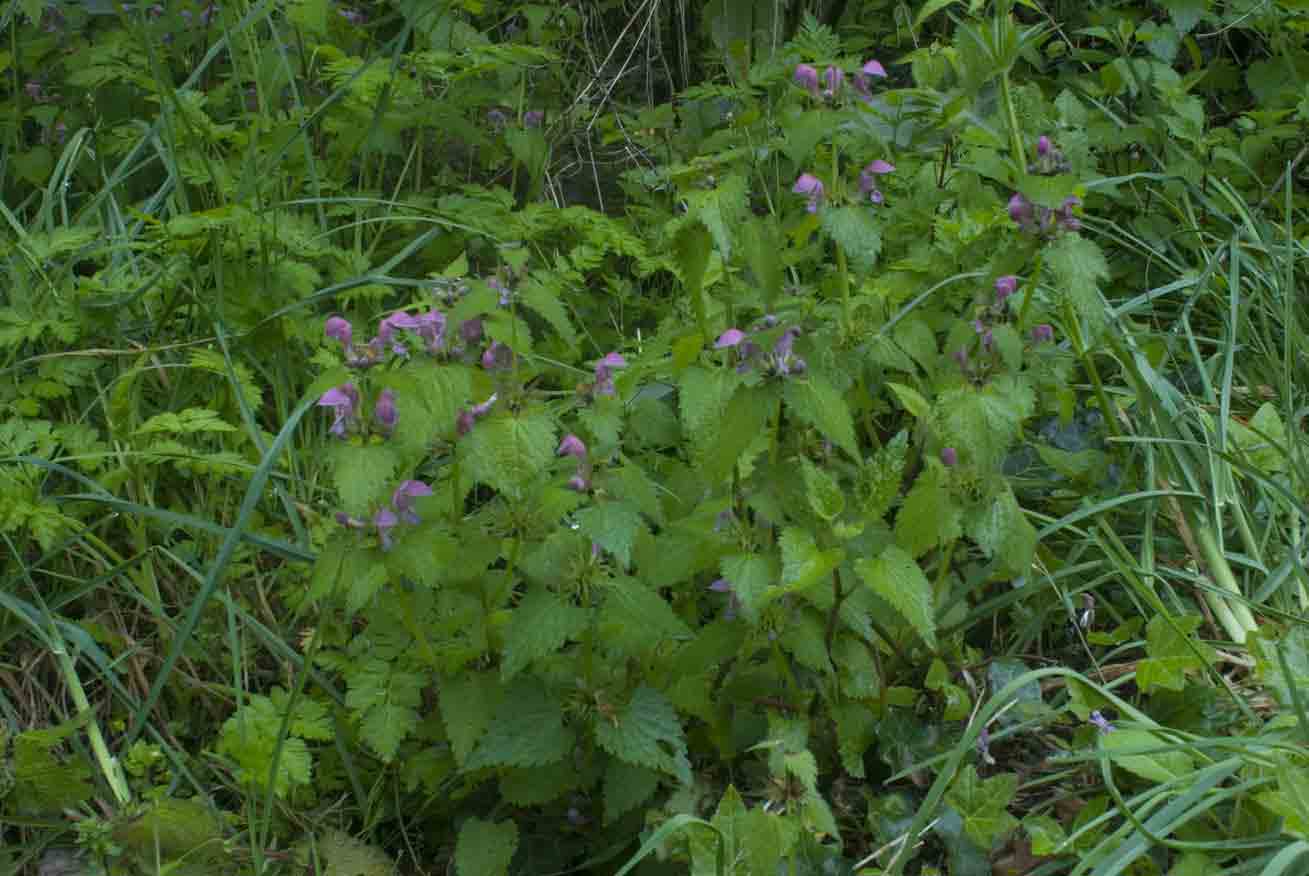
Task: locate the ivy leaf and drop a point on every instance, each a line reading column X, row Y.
column 507, row 452
column 816, row 402
column 896, row 577
column 485, row 848
column 540, row 625
column 646, row 733
column 982, row 805
column 1170, row 656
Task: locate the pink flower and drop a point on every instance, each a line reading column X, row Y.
column 344, row 400
column 1004, row 287
column 571, row 445
column 807, row 78
column 339, row 328
column 730, row 338
column 385, row 520
column 811, row 187
column 833, row 78
column 497, row 357
column 578, row 483
column 1042, row 333
column 385, row 412
column 1043, row 146
column 403, row 499
column 949, row 456
column 604, row 381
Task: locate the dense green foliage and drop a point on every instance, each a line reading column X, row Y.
column 726, row 437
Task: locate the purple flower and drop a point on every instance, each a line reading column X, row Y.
column 833, row 78
column 862, row 79
column 384, row 411
column 807, row 78
column 579, row 483
column 1043, row 146
column 350, row 522
column 1004, row 287
column 468, row 417
column 1066, row 217
column 1042, row 333
column 784, row 344
column 533, row 118
column 722, row 585
column 1020, row 209
column 471, row 330
column 339, row 328
column 353, row 16
column 385, row 520
column 949, row 457
column 344, row 400
column 497, row 356
column 811, row 187
column 604, row 381
column 868, row 179
column 961, row 356
column 874, row 68
column 1101, row 722
column 571, row 445
column 876, row 197
column 431, row 328
column 496, row 117
column 730, row 338
column 403, row 499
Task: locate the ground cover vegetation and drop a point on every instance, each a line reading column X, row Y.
column 727, row 437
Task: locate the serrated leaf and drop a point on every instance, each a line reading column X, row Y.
column 982, row 805
column 507, row 452
column 929, row 516
column 857, row 231
column 1079, row 267
column 751, row 576
column 803, row 564
column 528, row 730
column 186, row 422
column 702, row 395
column 647, row 733
column 386, row 700
column 721, row 209
column 532, row 786
column 540, row 625
column 444, row 390
column 816, row 402
column 485, row 848
column 635, row 619
column 1002, row 530
column 468, row 703
column 896, row 577
column 825, row 496
column 364, row 476
column 626, row 786
column 612, row 525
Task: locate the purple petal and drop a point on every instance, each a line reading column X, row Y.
column 874, row 68
column 385, row 411
column 571, row 445
column 730, row 338
column 808, row 184
column 879, row 167
column 1005, row 286
column 339, row 328
column 807, row 78
column 722, row 585
column 949, row 456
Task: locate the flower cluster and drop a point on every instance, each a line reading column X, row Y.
column 1044, row 221
column 781, row 360
column 1049, row 160
column 997, row 311
column 806, row 76
column 604, row 373
column 468, row 417
column 386, row 519
column 868, row 179
column 345, row 402
column 573, row 446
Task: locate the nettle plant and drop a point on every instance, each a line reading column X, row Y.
column 581, row 587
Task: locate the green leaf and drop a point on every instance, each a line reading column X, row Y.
column 542, row 296
column 612, row 525
column 751, row 576
column 1045, row 833
column 646, row 733
column 896, row 577
column 982, row 805
column 339, row 854
column 803, row 564
column 856, row 230
column 507, row 452
column 721, row 209
column 929, row 516
column 1147, row 755
column 984, row 422
column 485, row 848
column 1002, row 530
column 635, row 619
column 44, row 783
column 364, row 475
column 825, row 496
column 249, row 738
column 187, row 422
column 703, row 393
column 528, row 730
column 1078, row 268
column 880, row 477
column 468, row 703
column 540, row 625
column 386, row 700
column 626, row 786
column 816, row 402
column 1170, row 657
column 532, row 786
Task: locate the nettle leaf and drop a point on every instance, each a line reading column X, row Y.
column 540, row 293
column 856, row 731
column 982, row 805
column 703, row 393
column 507, row 452
column 825, row 495
column 722, row 209
column 1078, row 267
column 929, row 516
column 626, row 786
column 364, row 475
column 187, row 422
column 528, row 730
column 444, row 389
column 984, row 422
column 751, row 576
column 612, row 525
column 816, row 402
column 635, row 619
column 646, row 733
column 386, row 700
column 896, row 577
column 468, row 701
column 44, row 782
column 803, row 564
column 857, row 231
column 1170, row 656
column 532, row 786
column 1002, row 530
column 748, row 413
column 485, row 848
column 881, row 476
column 540, row 625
